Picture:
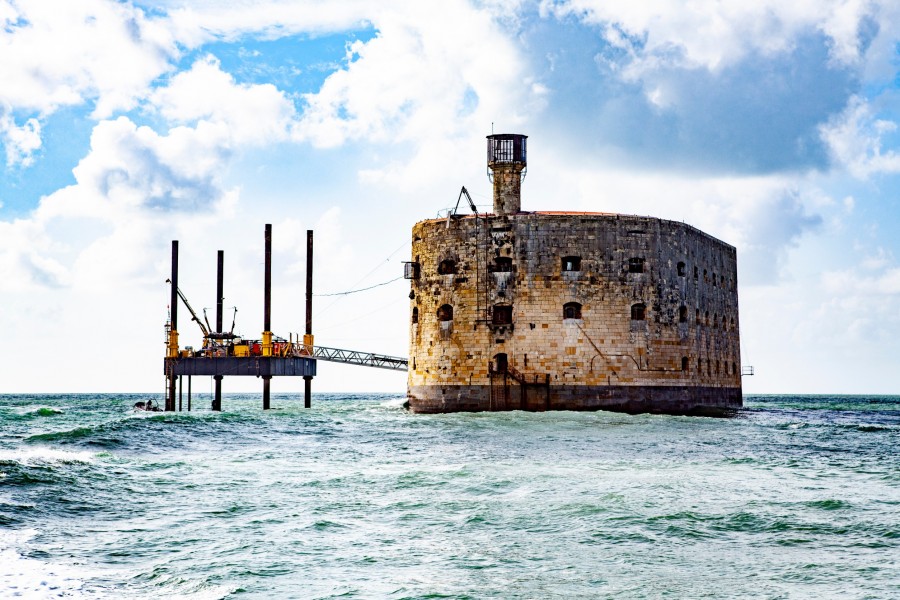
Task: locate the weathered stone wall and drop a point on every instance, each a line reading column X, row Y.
column 683, row 355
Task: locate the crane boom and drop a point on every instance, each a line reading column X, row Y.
column 194, row 316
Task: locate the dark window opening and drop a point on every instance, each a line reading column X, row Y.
column 500, row 363
column 684, row 363
column 705, row 275
column 571, row 310
column 700, row 366
column 410, row 270
column 696, row 273
column 707, row 318
column 638, row 312
column 682, row 314
column 571, row 263
column 681, row 269
column 697, row 316
column 502, row 264
column 714, row 279
column 445, row 313
column 636, row 265
column 716, row 321
column 415, row 315
column 447, row 267
column 502, row 315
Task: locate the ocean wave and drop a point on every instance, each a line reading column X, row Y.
column 44, row 455
column 44, row 411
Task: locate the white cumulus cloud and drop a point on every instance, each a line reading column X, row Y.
column 855, row 140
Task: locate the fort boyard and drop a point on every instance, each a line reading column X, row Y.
column 516, row 310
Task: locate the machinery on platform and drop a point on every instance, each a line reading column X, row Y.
column 226, row 353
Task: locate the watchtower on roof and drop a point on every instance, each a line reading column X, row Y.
column 507, row 161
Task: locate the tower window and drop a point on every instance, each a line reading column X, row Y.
column 714, row 279
column 636, row 265
column 415, row 314
column 681, row 269
column 696, row 273
column 410, row 270
column 502, row 264
column 684, row 363
column 682, row 314
column 447, row 267
column 571, row 310
column 502, row 315
column 445, row 313
column 571, row 263
column 638, row 312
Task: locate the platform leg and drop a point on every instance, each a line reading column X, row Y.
column 180, row 395
column 267, row 380
column 217, row 399
column 307, row 391
column 189, row 393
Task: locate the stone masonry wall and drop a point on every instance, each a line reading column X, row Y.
column 685, row 279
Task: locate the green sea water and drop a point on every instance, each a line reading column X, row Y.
column 795, row 497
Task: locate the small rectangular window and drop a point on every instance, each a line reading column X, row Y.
column 636, row 265
column 571, row 263
column 502, row 315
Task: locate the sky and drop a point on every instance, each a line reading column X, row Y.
column 771, row 125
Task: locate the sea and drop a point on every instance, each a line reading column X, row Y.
column 793, row 497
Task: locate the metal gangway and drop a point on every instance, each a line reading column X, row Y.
column 354, row 357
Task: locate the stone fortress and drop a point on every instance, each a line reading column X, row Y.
column 569, row 311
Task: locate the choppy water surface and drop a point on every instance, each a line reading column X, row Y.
column 797, row 497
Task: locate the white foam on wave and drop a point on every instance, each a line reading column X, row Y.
column 44, row 455
column 22, row 577
column 394, row 402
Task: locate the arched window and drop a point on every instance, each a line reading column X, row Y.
column 571, row 310
column 682, row 314
column 447, row 267
column 445, row 313
column 501, row 363
column 502, row 264
column 684, row 363
column 636, row 265
column 681, row 269
column 638, row 312
column 571, row 263
column 502, row 314
column 415, row 315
